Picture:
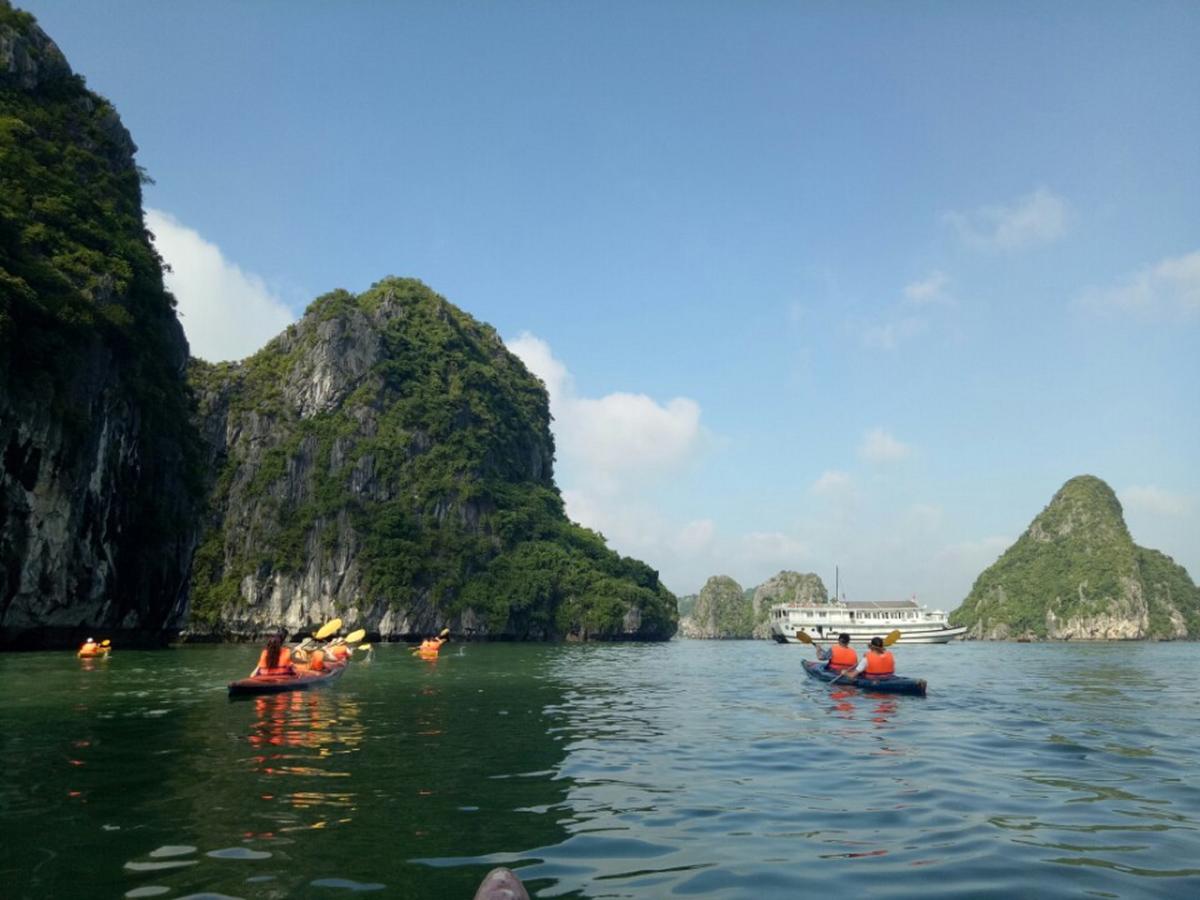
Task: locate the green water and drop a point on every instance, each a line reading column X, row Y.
column 691, row 768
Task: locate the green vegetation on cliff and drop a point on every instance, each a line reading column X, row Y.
column 75, row 261
column 399, row 432
column 722, row 611
column 1076, row 572
column 101, row 471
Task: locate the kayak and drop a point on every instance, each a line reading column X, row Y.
column 889, row 684
column 277, row 684
column 99, row 654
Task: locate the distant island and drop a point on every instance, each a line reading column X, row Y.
column 1076, row 574
column 723, row 610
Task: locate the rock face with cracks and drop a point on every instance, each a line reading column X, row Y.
column 99, row 482
column 388, row 461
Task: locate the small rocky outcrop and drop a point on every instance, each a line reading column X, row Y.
column 786, row 587
column 722, row 612
column 1076, row 574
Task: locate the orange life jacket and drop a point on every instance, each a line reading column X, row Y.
column 284, row 667
column 842, row 657
column 431, row 645
column 316, row 661
column 880, row 663
column 89, row 648
column 340, row 652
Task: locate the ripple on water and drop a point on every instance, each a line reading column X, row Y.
column 238, row 853
column 172, row 850
column 347, row 884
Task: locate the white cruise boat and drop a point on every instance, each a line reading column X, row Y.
column 862, row 621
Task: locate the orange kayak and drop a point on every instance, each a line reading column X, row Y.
column 277, row 684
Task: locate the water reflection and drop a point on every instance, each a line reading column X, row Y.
column 304, row 735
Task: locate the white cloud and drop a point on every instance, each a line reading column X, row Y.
column 929, row 290
column 696, row 537
column 972, row 557
column 1155, row 501
column 891, row 335
column 226, row 313
column 1170, row 286
column 771, row 549
column 924, row 517
column 832, row 483
column 880, row 446
column 1037, row 218
column 620, row 435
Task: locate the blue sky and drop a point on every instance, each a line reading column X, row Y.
column 811, row 284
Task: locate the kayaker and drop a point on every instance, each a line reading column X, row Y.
column 89, row 648
column 431, row 646
column 877, row 662
column 841, row 655
column 339, row 651
column 275, row 659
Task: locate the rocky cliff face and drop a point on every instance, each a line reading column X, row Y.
column 388, row 461
column 786, row 587
column 723, row 610
column 96, row 501
column 1076, row 574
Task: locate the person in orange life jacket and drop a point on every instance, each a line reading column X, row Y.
column 841, row 655
column 275, row 659
column 339, row 651
column 877, row 662
column 435, row 644
column 89, row 648
column 316, row 660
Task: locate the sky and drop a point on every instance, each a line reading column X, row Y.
column 812, row 285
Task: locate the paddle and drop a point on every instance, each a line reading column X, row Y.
column 892, row 637
column 443, row 636
column 330, row 627
column 355, row 636
column 805, row 638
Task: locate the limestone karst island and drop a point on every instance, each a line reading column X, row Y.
column 595, row 450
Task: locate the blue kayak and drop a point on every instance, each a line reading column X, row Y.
column 889, row 684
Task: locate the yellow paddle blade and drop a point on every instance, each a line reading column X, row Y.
column 364, row 647
column 891, row 638
column 106, row 642
column 445, row 633
column 355, row 636
column 330, row 627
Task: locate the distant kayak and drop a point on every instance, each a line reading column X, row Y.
column 891, row 684
column 277, row 684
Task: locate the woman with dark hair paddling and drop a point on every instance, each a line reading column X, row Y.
column 275, row 659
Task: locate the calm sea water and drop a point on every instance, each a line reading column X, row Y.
column 685, row 769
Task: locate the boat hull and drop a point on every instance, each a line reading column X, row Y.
column 893, row 684
column 278, row 684
column 860, row 635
